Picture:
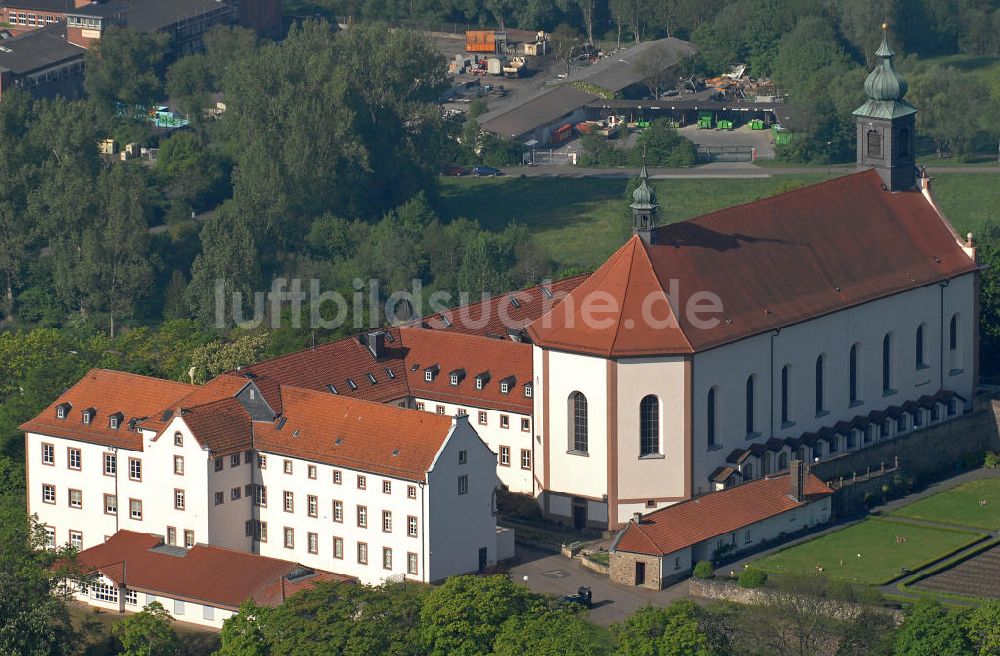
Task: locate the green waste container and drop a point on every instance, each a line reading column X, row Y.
column 705, row 120
column 724, row 124
column 756, row 124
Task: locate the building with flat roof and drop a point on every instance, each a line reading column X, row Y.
column 41, row 62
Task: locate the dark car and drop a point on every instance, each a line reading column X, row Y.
column 455, row 170
column 486, row 170
column 583, row 596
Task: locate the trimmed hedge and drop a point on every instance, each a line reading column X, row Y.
column 752, row 578
column 703, row 570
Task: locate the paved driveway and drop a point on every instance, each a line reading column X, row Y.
column 555, row 574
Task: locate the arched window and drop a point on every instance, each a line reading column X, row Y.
column 784, row 395
column 578, row 421
column 750, row 401
column 919, row 355
column 710, row 417
column 874, row 139
column 649, row 426
column 853, row 375
column 887, row 363
column 903, row 139
column 820, row 365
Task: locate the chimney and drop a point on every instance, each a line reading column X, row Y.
column 797, row 478
column 637, row 517
column 376, row 344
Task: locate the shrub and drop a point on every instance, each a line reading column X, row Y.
column 992, row 460
column 703, row 570
column 752, row 578
column 518, row 506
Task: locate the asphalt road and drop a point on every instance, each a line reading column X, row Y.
column 558, row 575
column 713, row 170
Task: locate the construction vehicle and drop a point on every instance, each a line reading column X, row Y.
column 515, row 67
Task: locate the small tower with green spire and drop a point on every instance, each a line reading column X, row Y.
column 644, row 207
column 886, row 124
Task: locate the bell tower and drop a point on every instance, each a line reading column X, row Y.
column 644, row 208
column 886, row 124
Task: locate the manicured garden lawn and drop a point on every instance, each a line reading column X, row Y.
column 967, row 199
column 581, row 221
column 881, row 555
column 960, row 506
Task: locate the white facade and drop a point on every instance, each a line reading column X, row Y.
column 389, row 529
column 105, row 593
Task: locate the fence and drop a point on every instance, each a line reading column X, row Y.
column 869, row 474
column 548, row 156
column 725, row 154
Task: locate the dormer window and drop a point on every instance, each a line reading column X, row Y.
column 504, row 388
column 454, row 379
column 88, row 415
column 479, row 383
column 430, row 372
column 482, row 379
column 527, row 390
column 456, row 376
column 115, row 421
column 62, row 410
column 506, row 384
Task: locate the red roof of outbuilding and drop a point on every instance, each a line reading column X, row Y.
column 108, row 392
column 691, row 522
column 221, row 577
column 373, row 437
column 771, row 263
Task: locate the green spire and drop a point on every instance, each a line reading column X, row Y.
column 885, row 87
column 643, row 198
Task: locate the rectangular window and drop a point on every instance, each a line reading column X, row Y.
column 463, row 456
column 178, row 439
column 220, row 498
column 188, row 539
column 287, row 466
column 110, row 464
column 463, row 484
column 504, row 421
column 387, row 521
column 218, row 464
column 411, row 563
column 411, row 491
column 338, row 477
column 746, row 537
column 74, row 458
column 178, row 499
column 208, row 613
column 411, row 526
column 135, row 509
column 362, row 553
column 171, row 536
column 525, row 425
column 289, row 501
column 482, row 418
column 110, row 504
column 50, row 537
column 76, row 540
column 312, row 506
column 311, row 472
column 75, row 499
column 178, row 607
column 247, row 457
column 338, row 511
column 134, row 469
column 289, row 538
column 234, row 494
column 363, row 516
column 234, row 460
column 260, row 496
column 387, row 487
column 131, row 597
column 420, row 405
column 386, row 558
column 439, row 409
column 104, row 592
column 505, row 456
column 338, row 548
column 362, row 482
column 261, row 462
column 525, row 459
column 312, row 543
column 179, row 465
column 48, row 493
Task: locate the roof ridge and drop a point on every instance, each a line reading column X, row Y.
column 666, row 295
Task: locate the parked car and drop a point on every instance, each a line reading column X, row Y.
column 482, row 171
column 455, row 170
column 583, row 596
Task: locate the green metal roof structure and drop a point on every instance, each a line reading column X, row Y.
column 885, row 88
column 643, row 198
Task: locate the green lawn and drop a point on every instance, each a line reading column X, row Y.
column 581, row 221
column 960, row 506
column 881, row 556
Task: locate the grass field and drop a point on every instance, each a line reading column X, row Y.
column 579, row 222
column 960, row 506
column 881, row 555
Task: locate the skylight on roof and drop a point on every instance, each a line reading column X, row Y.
column 547, row 292
column 516, row 303
column 445, row 321
column 333, row 390
column 390, row 373
column 371, row 378
column 352, row 384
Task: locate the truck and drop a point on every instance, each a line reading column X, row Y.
column 515, row 67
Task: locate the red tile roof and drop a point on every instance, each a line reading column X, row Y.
column 772, row 263
column 221, row 577
column 220, row 387
column 373, row 437
column 108, row 392
column 223, row 426
column 691, row 522
column 501, row 359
